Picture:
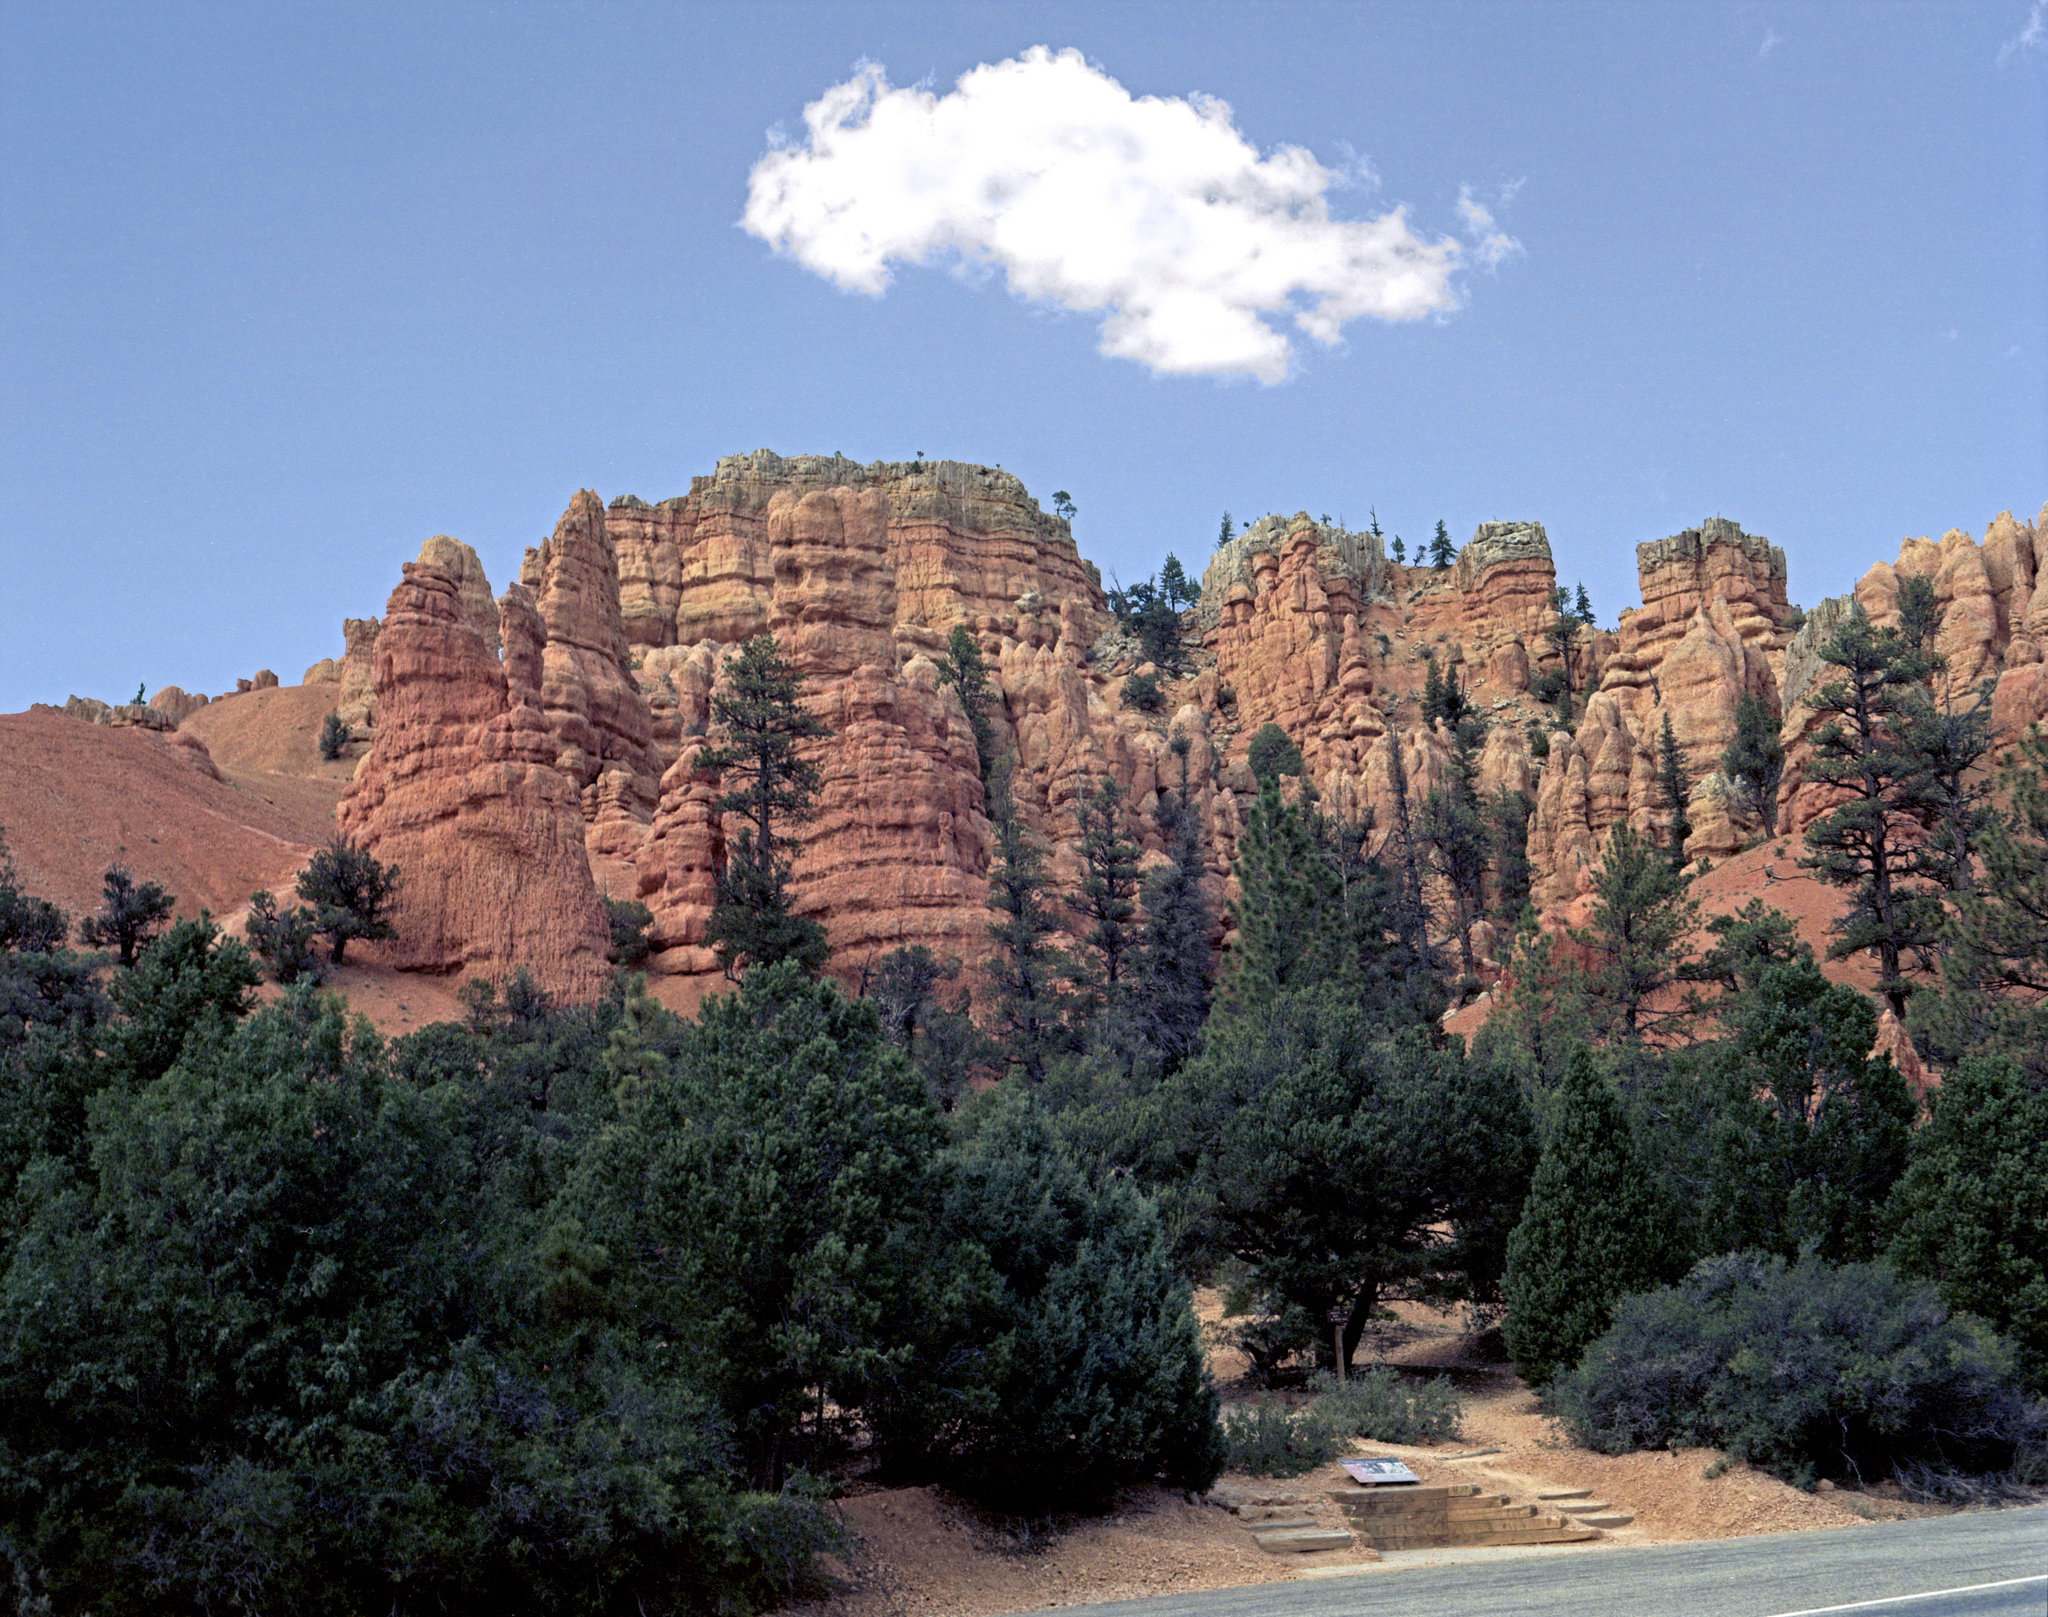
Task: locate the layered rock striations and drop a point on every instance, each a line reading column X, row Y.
column 460, row 792
column 590, row 729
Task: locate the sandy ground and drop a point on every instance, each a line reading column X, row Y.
column 920, row 1552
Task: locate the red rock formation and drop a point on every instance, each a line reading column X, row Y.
column 460, row 792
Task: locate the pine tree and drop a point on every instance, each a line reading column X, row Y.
column 1289, row 913
column 1400, row 551
column 1591, row 1232
column 963, row 668
column 1993, row 998
column 1508, row 829
column 1441, row 551
column 129, row 916
column 1223, row 537
column 1676, row 791
column 1452, row 828
column 1971, row 1212
column 1862, row 844
column 1023, row 973
column 1949, row 741
column 1755, row 759
column 1811, row 1131
column 1180, row 590
column 350, row 894
column 1410, row 911
column 1171, row 987
column 1583, row 609
column 1432, row 689
column 765, row 725
column 1108, row 899
column 1642, row 915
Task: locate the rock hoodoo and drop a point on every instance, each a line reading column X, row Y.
column 581, row 742
column 459, row 790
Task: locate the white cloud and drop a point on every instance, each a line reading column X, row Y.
column 2033, row 37
column 1772, row 40
column 1490, row 244
column 1153, row 210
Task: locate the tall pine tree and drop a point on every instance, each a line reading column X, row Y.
column 771, row 786
column 1023, row 973
column 1865, row 842
column 1592, row 1231
column 1676, row 789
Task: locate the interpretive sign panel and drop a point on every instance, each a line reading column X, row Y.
column 1378, row 1471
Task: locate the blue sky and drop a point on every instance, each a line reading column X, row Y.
column 284, row 289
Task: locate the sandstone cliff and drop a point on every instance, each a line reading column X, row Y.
column 589, row 731
column 460, row 791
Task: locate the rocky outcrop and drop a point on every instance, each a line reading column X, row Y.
column 594, row 706
column 460, row 792
column 175, row 704
column 472, row 588
column 616, row 640
column 125, row 715
column 356, row 701
column 860, row 573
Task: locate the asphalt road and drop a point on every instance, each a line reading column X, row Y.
column 1982, row 1564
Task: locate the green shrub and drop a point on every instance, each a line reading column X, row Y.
column 1384, row 1406
column 1272, row 753
column 350, row 893
column 334, row 735
column 1270, row 1440
column 282, row 939
column 1084, row 1371
column 1141, row 691
column 1804, row 1370
column 629, row 922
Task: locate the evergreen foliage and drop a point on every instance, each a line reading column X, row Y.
column 1507, row 824
column 1441, row 551
column 283, row 939
column 1108, row 899
column 1810, row 1132
column 334, row 735
column 129, row 916
column 1676, row 790
column 350, row 895
column 1970, row 1213
column 1582, row 608
column 1171, row 987
column 1805, row 1370
column 627, row 920
column 1330, row 1156
column 963, row 668
column 1023, row 973
column 1592, row 1231
column 1863, row 844
column 1087, row 1372
column 1271, row 754
column 1755, row 759
column 1180, row 590
column 1993, row 997
column 765, row 725
column 1642, row 915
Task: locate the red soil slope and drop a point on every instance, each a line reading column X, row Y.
column 76, row 797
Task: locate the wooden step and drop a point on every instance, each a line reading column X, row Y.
column 1619, row 1518
column 1567, row 1493
column 1282, row 1524
column 1304, row 1540
column 1585, row 1507
column 1474, row 1454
